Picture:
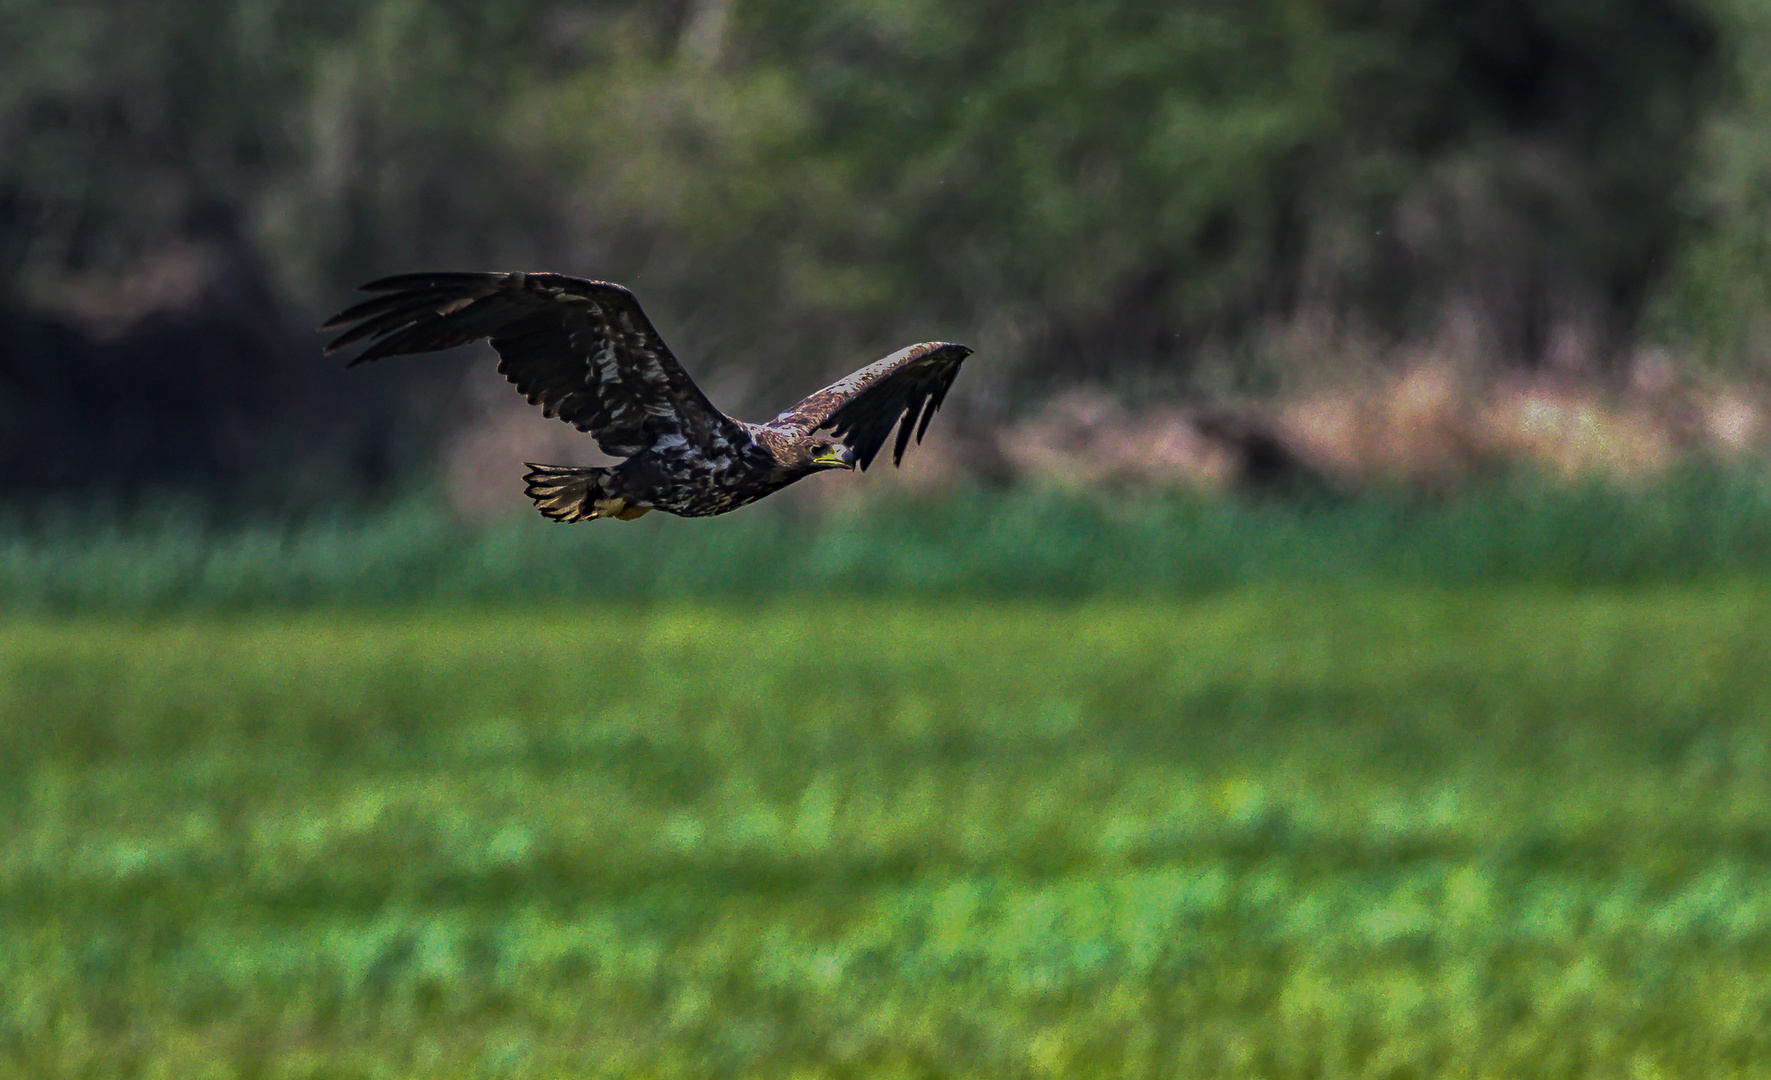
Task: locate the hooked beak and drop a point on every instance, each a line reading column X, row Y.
column 835, row 457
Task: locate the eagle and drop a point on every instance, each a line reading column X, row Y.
column 585, row 352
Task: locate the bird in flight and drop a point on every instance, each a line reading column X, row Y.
column 586, row 353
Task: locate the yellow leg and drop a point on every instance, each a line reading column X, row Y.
column 619, row 510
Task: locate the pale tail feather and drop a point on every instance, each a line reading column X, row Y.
column 575, row 493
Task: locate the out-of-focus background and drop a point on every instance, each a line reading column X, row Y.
column 1323, row 634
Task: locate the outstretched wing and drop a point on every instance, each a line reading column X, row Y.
column 904, row 389
column 582, row 350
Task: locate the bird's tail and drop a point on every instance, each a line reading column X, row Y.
column 577, row 493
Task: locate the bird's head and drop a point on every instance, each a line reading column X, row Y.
column 828, row 454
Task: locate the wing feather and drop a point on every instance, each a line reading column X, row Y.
column 905, row 389
column 582, row 350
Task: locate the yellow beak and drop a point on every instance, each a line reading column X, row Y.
column 834, row 457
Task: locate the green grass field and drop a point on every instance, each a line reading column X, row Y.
column 1281, row 832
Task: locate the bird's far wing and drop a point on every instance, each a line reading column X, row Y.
column 582, row 350
column 904, row 389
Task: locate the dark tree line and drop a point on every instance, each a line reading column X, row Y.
column 1195, row 194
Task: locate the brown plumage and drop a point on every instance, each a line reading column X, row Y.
column 586, row 353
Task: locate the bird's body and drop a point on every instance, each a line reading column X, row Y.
column 677, row 479
column 586, row 353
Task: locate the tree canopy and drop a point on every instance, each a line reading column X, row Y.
column 1203, row 190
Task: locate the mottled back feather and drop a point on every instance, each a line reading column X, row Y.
column 582, row 350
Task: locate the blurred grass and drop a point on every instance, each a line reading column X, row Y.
column 1287, row 832
column 1697, row 524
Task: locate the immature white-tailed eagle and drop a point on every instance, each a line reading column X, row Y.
column 586, row 353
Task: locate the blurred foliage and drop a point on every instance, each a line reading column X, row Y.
column 1288, row 833
column 1214, row 191
column 1689, row 527
column 1716, row 301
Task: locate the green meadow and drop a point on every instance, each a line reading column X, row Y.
column 1282, row 830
